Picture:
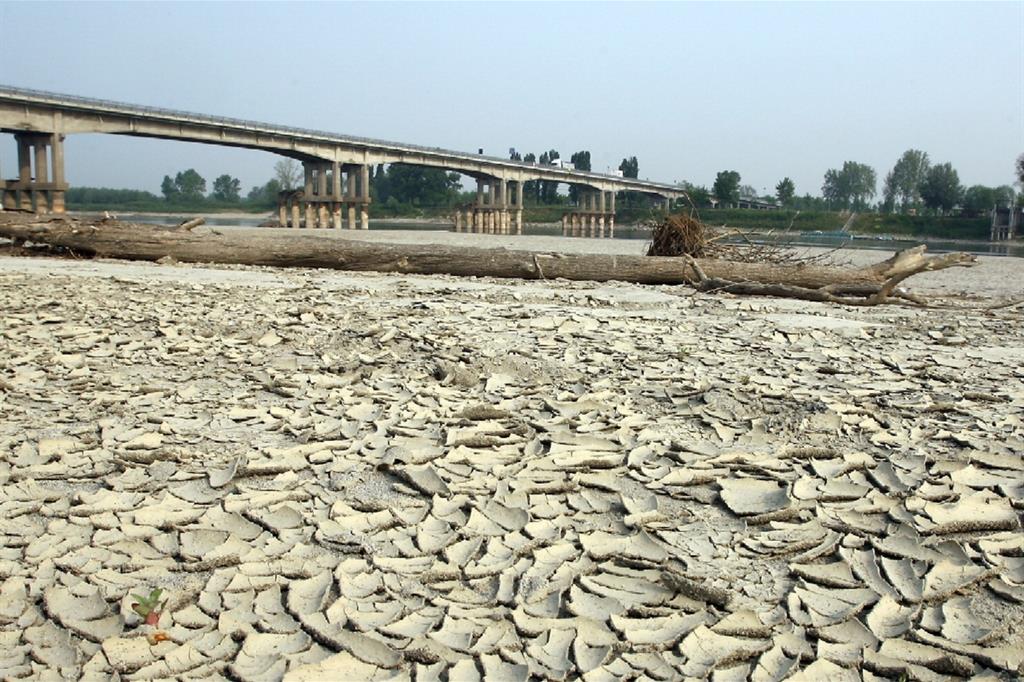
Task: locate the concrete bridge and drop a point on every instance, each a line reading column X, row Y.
column 337, row 167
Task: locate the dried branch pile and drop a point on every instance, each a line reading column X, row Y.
column 687, row 237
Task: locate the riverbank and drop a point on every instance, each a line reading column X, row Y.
column 338, row 475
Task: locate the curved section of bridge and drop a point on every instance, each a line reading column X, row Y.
column 336, row 166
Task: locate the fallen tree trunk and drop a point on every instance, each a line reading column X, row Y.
column 133, row 241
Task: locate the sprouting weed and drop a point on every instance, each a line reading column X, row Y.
column 149, row 607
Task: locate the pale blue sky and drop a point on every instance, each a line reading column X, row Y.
column 766, row 89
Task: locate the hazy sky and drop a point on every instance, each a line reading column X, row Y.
column 769, row 90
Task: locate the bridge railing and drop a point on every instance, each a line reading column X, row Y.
column 60, row 99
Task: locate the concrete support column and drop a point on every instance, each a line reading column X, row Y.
column 321, row 180
column 479, row 192
column 490, row 194
column 565, row 224
column 364, row 188
column 575, row 219
column 611, row 216
column 350, row 196
column 57, row 172
column 351, row 183
column 600, row 219
column 282, row 213
column 502, row 206
column 24, row 160
column 41, row 174
column 57, row 158
column 336, row 214
column 295, row 213
column 307, row 194
column 364, row 183
column 336, row 181
column 519, row 207
column 588, row 217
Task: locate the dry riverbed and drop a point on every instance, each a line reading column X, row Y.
column 339, row 476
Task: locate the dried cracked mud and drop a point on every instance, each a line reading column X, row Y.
column 338, row 476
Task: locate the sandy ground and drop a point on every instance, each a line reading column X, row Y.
column 359, row 476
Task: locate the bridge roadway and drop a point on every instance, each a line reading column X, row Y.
column 336, row 167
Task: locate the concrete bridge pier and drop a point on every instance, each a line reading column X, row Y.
column 501, row 216
column 336, row 195
column 322, row 196
column 490, row 207
column 601, row 214
column 364, row 189
column 41, row 191
column 565, row 224
column 591, row 217
column 351, row 197
column 307, row 205
column 519, row 207
column 611, row 216
column 478, row 208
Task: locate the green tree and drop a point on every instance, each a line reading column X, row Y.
column 190, row 184
column 630, row 168
column 1020, row 169
column 226, row 188
column 531, row 188
column 903, row 183
column 850, row 187
column 784, row 191
column 548, row 188
column 727, row 187
column 288, row 172
column 420, row 186
column 699, row 196
column 379, row 184
column 979, row 199
column 168, row 188
column 513, row 155
column 264, row 195
column 580, row 161
column 941, row 189
column 1005, row 196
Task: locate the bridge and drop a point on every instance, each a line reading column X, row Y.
column 336, row 167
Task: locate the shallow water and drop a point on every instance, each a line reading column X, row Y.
column 1015, row 249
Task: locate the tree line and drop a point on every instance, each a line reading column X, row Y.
column 914, row 185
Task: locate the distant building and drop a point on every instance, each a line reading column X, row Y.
column 759, row 204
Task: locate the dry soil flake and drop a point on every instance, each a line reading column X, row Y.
column 331, row 477
column 750, row 496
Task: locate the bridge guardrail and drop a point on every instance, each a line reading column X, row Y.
column 59, row 99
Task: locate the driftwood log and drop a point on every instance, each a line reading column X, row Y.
column 135, row 241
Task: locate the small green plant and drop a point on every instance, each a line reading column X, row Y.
column 149, row 607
